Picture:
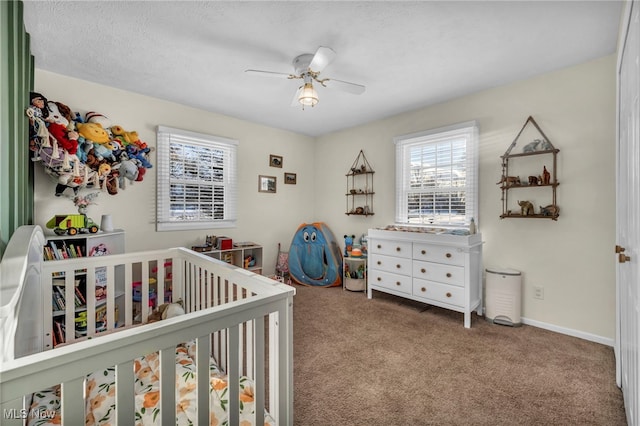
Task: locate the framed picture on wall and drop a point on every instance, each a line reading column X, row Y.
column 275, row 161
column 266, row 184
column 290, row 178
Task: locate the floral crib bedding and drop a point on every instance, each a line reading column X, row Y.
column 100, row 394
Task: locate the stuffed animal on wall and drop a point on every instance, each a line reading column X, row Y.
column 97, row 118
column 69, row 180
column 38, row 106
column 127, row 169
column 133, row 151
column 125, row 137
column 66, row 140
column 94, row 132
column 79, row 151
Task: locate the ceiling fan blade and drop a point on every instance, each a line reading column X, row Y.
column 323, row 57
column 270, row 73
column 345, row 86
column 294, row 101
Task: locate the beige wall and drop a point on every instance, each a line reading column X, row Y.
column 571, row 258
column 263, row 218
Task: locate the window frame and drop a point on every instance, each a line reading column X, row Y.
column 468, row 130
column 168, row 135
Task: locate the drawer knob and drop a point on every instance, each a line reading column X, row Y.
column 423, row 289
column 423, row 270
column 379, row 246
column 397, row 248
column 379, row 279
column 448, row 274
column 398, row 266
column 448, row 294
column 448, row 254
column 379, row 263
column 423, row 252
column 398, row 283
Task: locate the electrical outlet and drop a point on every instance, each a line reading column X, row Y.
column 538, row 292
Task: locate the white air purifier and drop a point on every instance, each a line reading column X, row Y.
column 503, row 297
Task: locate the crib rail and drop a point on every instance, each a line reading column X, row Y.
column 228, row 310
column 69, row 365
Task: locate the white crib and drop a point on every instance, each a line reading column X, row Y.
column 242, row 320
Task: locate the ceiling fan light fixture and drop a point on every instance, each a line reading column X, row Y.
column 308, row 95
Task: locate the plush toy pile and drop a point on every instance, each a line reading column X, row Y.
column 84, row 152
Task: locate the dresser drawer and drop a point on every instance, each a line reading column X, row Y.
column 390, row 248
column 440, row 254
column 396, row 265
column 401, row 283
column 429, row 290
column 447, row 274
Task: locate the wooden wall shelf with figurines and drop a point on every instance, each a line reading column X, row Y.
column 360, row 187
column 535, row 170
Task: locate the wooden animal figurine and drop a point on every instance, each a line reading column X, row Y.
column 550, row 210
column 509, row 180
column 526, row 208
column 546, row 176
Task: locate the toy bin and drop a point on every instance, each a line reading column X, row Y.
column 503, row 297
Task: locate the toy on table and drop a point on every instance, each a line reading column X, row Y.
column 348, row 244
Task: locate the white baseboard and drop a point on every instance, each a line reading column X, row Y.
column 570, row 332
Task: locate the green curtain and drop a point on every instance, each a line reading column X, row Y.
column 16, row 81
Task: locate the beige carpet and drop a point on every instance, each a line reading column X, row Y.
column 388, row 361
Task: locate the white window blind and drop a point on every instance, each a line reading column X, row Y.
column 197, row 180
column 437, row 176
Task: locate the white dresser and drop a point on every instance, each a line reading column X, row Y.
column 439, row 269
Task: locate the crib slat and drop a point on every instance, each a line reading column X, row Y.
column 72, row 402
column 128, row 294
column 160, row 274
column 202, row 374
column 168, row 385
column 233, row 377
column 273, row 365
column 91, row 302
column 70, row 308
column 284, row 357
column 111, row 297
column 144, row 300
column 124, row 393
column 259, row 385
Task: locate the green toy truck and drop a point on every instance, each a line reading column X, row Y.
column 72, row 224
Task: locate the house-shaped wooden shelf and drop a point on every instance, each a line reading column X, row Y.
column 360, row 187
column 533, row 154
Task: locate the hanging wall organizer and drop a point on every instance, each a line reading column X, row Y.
column 360, row 187
column 529, row 177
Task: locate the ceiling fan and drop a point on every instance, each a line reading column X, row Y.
column 307, row 67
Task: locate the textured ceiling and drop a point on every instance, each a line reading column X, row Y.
column 407, row 54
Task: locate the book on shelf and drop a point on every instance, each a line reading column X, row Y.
column 58, row 297
column 59, row 331
column 80, row 297
column 60, row 250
